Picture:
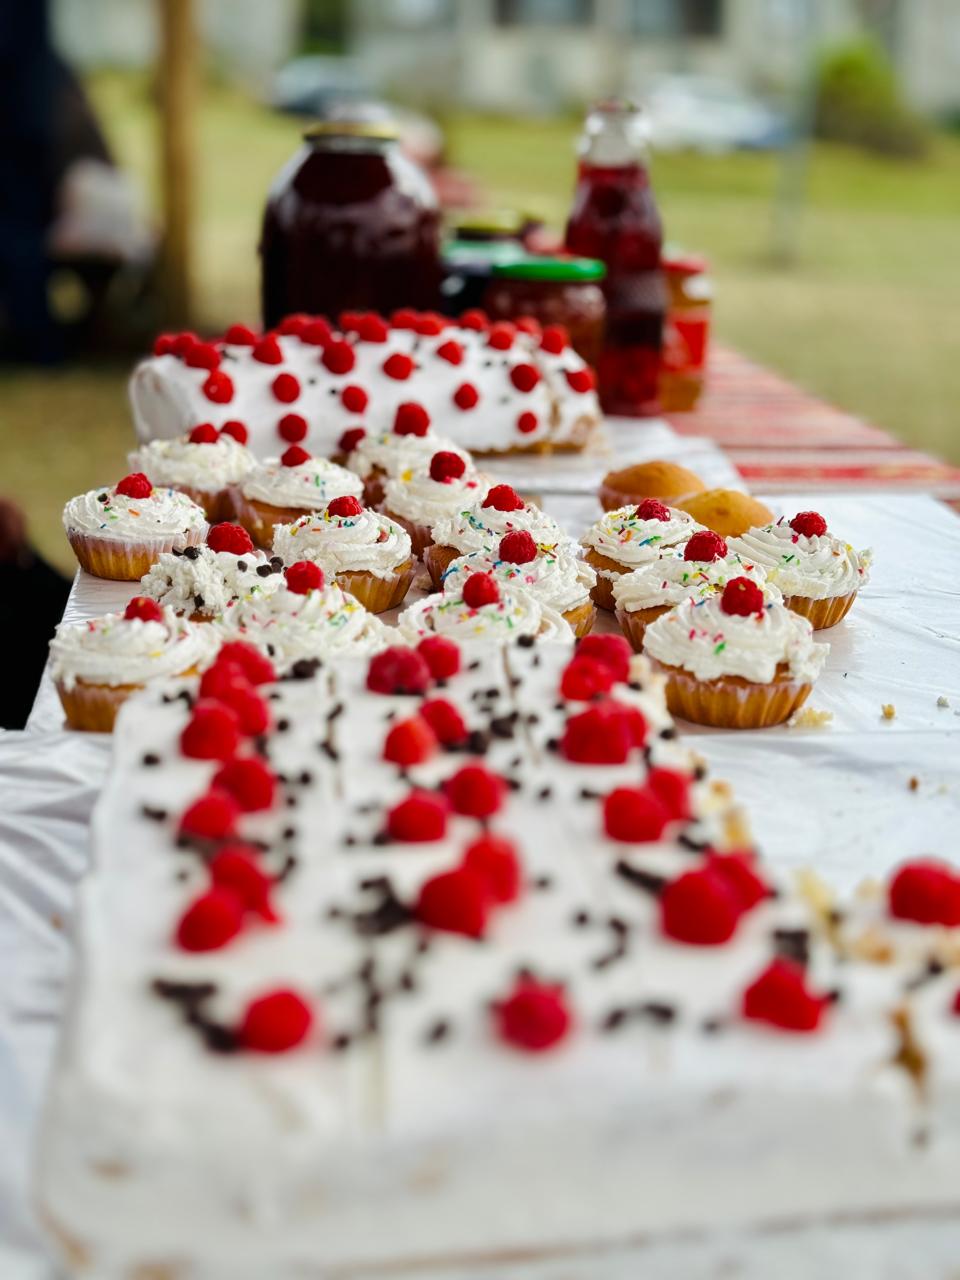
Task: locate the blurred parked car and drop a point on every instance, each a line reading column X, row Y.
column 698, row 113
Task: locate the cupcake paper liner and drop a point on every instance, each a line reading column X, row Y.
column 217, row 503
column 420, row 535
column 93, row 708
column 126, row 561
column 634, row 622
column 260, row 518
column 377, row 595
column 730, row 702
column 602, row 593
column 438, row 560
column 821, row 613
column 581, row 619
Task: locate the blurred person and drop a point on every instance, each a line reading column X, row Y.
column 33, row 596
column 63, row 202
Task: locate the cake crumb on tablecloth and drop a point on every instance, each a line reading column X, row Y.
column 889, row 711
column 810, row 718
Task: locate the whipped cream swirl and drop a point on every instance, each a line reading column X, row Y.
column 114, row 650
column 104, row 513
column 670, row 579
column 817, row 568
column 308, row 486
column 480, row 528
column 622, row 536
column 367, row 543
column 416, row 496
column 556, row 578
column 699, row 637
column 393, row 454
column 205, row 467
column 515, row 614
column 201, row 580
column 289, row 627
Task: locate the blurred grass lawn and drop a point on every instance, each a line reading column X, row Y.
column 864, row 317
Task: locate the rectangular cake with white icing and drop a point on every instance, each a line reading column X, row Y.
column 509, row 985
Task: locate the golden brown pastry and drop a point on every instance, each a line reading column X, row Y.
column 667, row 481
column 726, row 511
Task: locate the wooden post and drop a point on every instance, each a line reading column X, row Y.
column 177, row 92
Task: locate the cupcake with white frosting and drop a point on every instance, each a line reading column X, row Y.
column 120, row 531
column 96, row 665
column 281, row 490
column 555, row 577
column 692, row 570
column 625, row 539
column 420, row 496
column 818, row 574
column 738, row 659
column 304, row 620
column 203, row 582
column 367, row 553
column 480, row 526
column 483, row 610
column 203, row 465
column 380, row 456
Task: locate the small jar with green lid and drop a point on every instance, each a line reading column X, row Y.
column 554, row 290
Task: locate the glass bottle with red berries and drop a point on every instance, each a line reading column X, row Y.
column 615, row 218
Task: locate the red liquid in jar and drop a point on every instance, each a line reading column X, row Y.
column 615, row 218
column 351, row 224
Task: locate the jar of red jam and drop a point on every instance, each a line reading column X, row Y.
column 351, row 224
column 686, row 335
column 554, row 290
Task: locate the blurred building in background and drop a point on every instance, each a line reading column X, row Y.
column 246, row 38
column 545, row 55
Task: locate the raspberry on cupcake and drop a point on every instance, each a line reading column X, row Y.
column 97, row 665
column 281, row 490
column 203, row 582
column 818, row 573
column 628, row 537
column 306, row 617
column 738, row 659
column 553, row 575
column 481, row 525
column 417, row 497
column 695, row 569
column 368, row 553
column 202, row 464
column 118, row 532
column 483, row 609
column 381, row 456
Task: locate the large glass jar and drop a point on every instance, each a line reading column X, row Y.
column 351, row 223
column 561, row 290
column 686, row 335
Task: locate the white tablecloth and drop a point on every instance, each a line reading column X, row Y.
column 840, row 798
